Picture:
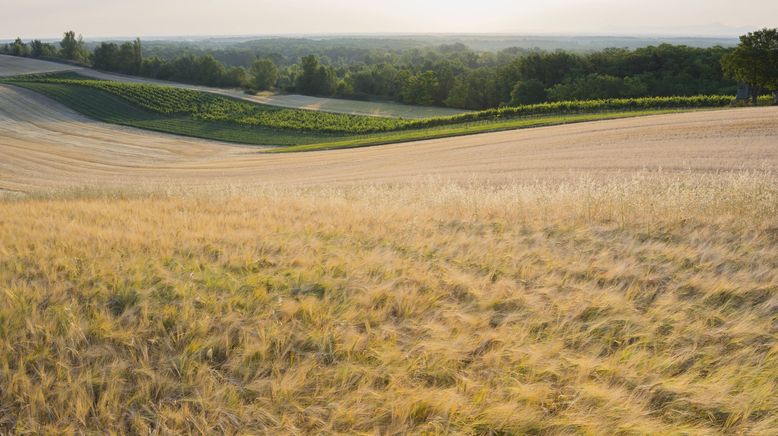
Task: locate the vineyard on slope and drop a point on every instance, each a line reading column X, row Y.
column 205, row 106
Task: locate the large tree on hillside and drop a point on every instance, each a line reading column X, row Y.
column 137, row 56
column 40, row 49
column 306, row 82
column 73, row 48
column 755, row 62
column 420, row 89
column 315, row 79
column 105, row 56
column 264, row 74
column 19, row 48
column 128, row 58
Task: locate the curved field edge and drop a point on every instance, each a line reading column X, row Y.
column 644, row 306
column 470, row 129
column 222, row 119
column 206, row 106
column 103, row 106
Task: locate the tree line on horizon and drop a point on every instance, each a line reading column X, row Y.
column 453, row 75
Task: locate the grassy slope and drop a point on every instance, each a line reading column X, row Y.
column 644, row 307
column 104, row 106
column 468, row 129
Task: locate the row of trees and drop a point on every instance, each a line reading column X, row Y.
column 455, row 76
column 125, row 58
column 198, row 70
column 70, row 48
column 537, row 77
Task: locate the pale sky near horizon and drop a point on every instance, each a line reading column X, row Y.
column 108, row 18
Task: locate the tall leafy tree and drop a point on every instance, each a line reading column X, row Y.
column 40, row 49
column 755, row 61
column 235, row 77
column 127, row 61
column 264, row 74
column 73, row 48
column 315, row 78
column 19, row 48
column 209, row 71
column 528, row 92
column 137, row 56
column 306, row 81
column 105, row 56
column 421, row 89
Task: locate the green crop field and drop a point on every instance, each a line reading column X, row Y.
column 204, row 115
column 204, row 106
column 109, row 108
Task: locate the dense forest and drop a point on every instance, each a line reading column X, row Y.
column 452, row 75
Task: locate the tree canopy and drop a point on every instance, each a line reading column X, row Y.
column 755, row 61
column 73, row 48
column 451, row 75
column 315, row 78
column 264, row 74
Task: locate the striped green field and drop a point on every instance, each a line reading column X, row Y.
column 108, row 108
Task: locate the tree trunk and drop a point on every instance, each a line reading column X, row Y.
column 754, row 95
column 775, row 95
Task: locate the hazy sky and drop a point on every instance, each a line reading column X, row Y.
column 100, row 18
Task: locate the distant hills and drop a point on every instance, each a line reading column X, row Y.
column 480, row 42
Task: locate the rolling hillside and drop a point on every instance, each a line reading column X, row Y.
column 12, row 65
column 45, row 144
column 605, row 277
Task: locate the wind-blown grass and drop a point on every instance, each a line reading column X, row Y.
column 645, row 305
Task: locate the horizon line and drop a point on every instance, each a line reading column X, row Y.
column 646, row 35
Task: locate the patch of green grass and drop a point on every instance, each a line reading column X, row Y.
column 468, row 129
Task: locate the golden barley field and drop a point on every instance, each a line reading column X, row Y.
column 645, row 304
column 616, row 277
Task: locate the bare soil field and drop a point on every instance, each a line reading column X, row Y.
column 11, row 66
column 45, row 145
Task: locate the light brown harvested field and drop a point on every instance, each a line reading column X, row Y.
column 13, row 66
column 44, row 144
